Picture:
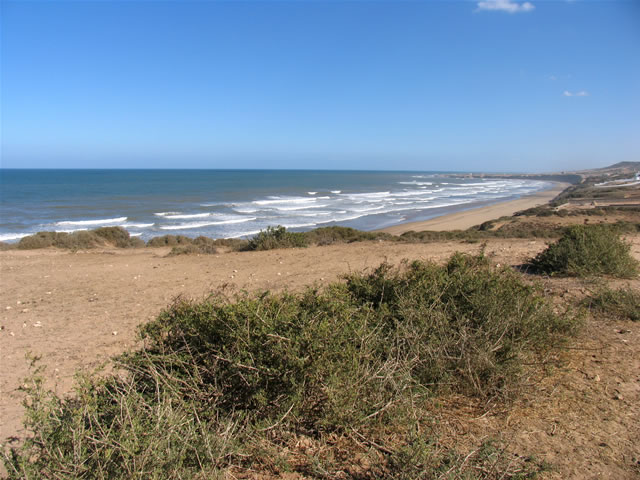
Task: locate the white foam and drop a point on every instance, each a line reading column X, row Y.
column 71, row 230
column 361, row 210
column 366, row 195
column 187, row 226
column 312, row 193
column 164, row 214
column 276, row 201
column 336, row 191
column 291, row 209
column 103, row 221
column 185, row 216
column 137, row 225
column 13, row 236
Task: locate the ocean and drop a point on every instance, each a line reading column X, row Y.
column 235, row 203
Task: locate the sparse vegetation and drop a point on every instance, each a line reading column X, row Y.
column 620, row 303
column 276, row 237
column 83, row 239
column 169, row 241
column 225, row 384
column 587, row 250
column 331, row 235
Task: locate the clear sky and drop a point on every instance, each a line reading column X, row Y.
column 500, row 85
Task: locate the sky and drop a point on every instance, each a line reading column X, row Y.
column 494, row 85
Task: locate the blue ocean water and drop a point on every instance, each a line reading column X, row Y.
column 234, row 203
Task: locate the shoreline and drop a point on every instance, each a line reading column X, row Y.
column 475, row 216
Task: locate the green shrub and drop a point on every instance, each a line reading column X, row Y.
column 586, row 250
column 621, row 303
column 276, row 237
column 331, row 235
column 219, row 379
column 471, row 324
column 169, row 241
column 82, row 239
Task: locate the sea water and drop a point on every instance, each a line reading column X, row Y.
column 235, row 203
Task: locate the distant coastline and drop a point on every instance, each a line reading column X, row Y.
column 239, row 203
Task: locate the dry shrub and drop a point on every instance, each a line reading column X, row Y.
column 223, row 383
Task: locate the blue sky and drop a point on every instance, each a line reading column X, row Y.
column 499, row 85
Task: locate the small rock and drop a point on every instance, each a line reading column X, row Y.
column 48, row 293
column 37, row 324
column 279, row 273
column 8, row 308
column 235, row 271
column 24, row 310
column 618, row 396
column 12, row 334
column 596, row 378
column 114, row 333
column 18, row 302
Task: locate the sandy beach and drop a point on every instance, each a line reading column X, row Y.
column 476, row 216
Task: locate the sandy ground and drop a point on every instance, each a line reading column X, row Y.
column 77, row 309
column 476, row 216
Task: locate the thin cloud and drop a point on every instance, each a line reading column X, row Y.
column 508, row 6
column 581, row 93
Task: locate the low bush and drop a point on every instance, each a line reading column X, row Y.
column 83, row 239
column 331, row 235
column 276, row 237
column 587, row 250
column 620, row 303
column 169, row 241
column 220, row 380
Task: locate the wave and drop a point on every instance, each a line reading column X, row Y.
column 336, row 191
column 292, row 209
column 415, row 183
column 366, row 195
column 93, row 222
column 137, row 225
column 312, row 193
column 164, row 214
column 188, row 226
column 185, row 216
column 13, row 236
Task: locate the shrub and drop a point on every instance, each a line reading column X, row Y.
column 621, row 303
column 100, row 237
column 276, row 237
column 470, row 324
column 585, row 250
column 169, row 241
column 219, row 379
column 331, row 235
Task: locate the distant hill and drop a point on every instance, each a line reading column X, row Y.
column 622, row 165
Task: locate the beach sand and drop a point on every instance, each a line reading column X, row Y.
column 476, row 216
